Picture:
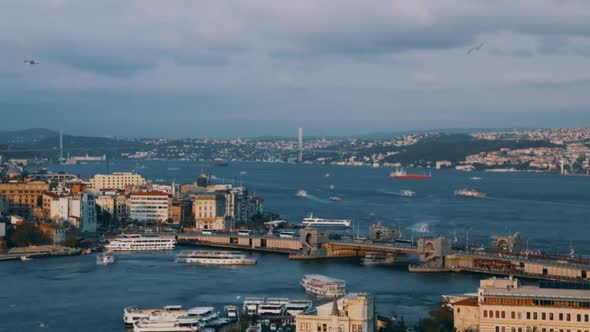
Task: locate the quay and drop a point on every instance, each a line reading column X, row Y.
column 38, row 251
column 433, row 254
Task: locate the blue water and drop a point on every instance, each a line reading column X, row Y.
column 72, row 293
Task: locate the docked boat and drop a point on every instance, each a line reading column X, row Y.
column 251, row 305
column 323, row 286
column 136, row 242
column 231, row 312
column 25, row 258
column 377, row 258
column 296, row 307
column 470, row 193
column 166, row 324
column 134, row 314
column 314, row 221
column 407, row 193
column 214, row 257
column 203, row 314
column 105, row 258
column 401, row 174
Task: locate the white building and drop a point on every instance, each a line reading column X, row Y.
column 354, row 312
column 504, row 305
column 116, row 181
column 79, row 210
column 149, row 206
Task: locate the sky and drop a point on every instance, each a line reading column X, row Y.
column 223, row 68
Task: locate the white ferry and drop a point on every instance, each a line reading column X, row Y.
column 296, row 307
column 323, row 286
column 105, row 258
column 210, row 257
column 203, row 314
column 231, row 312
column 167, row 324
column 314, row 221
column 251, row 305
column 133, row 314
column 136, row 242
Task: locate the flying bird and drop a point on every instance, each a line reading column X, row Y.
column 476, row 48
column 31, row 62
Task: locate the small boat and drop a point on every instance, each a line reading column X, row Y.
column 323, row 286
column 211, row 257
column 470, row 193
column 301, row 193
column 377, row 258
column 25, row 258
column 407, row 193
column 475, row 178
column 105, row 258
column 335, row 198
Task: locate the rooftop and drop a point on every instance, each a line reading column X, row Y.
column 539, row 293
column 149, row 193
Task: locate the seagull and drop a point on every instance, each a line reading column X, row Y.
column 31, row 62
column 476, row 48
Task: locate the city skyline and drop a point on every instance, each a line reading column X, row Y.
column 219, row 69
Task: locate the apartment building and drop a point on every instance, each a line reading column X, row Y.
column 22, row 198
column 149, row 206
column 116, row 180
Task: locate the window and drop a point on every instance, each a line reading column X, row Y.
column 319, row 328
column 560, row 316
column 568, row 317
column 503, row 314
column 360, row 329
column 528, row 315
column 354, row 328
column 513, row 315
column 485, row 314
column 550, row 316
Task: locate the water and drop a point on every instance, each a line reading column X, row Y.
column 72, row 293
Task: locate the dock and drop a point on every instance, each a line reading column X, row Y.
column 38, row 251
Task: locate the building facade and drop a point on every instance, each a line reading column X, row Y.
column 23, row 198
column 149, row 206
column 116, row 181
column 209, row 211
column 354, row 312
column 504, row 305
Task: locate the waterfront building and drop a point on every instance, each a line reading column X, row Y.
column 149, row 206
column 354, row 312
column 23, row 198
column 78, row 209
column 117, row 181
column 56, row 233
column 504, row 305
column 114, row 202
column 209, row 211
column 181, row 212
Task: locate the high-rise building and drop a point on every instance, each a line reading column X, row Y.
column 504, row 305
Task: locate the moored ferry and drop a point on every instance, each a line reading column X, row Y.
column 133, row 314
column 166, row 324
column 136, row 242
column 323, row 286
column 214, row 257
column 315, row 221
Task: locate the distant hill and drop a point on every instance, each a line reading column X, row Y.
column 26, row 136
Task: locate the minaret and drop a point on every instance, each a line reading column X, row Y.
column 300, row 145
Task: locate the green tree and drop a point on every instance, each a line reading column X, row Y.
column 28, row 234
column 438, row 320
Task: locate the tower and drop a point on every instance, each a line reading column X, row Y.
column 61, row 145
column 300, row 159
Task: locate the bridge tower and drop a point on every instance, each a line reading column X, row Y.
column 313, row 240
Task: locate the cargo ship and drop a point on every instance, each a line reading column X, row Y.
column 403, row 175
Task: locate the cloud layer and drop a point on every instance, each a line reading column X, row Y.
column 342, row 66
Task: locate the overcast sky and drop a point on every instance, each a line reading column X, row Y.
column 221, row 68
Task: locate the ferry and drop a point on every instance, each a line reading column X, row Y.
column 377, row 258
column 314, row 221
column 231, row 312
column 133, row 314
column 470, row 193
column 203, row 314
column 275, row 306
column 251, row 305
column 403, row 175
column 105, row 258
column 167, row 325
column 407, row 193
column 213, row 257
column 296, row 307
column 323, row 286
column 136, row 242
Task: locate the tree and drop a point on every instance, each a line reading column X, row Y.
column 439, row 320
column 28, row 234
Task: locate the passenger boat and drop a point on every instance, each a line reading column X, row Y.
column 136, row 242
column 105, row 258
column 166, row 324
column 407, row 193
column 275, row 306
column 133, row 314
column 231, row 312
column 323, row 286
column 203, row 314
column 211, row 257
column 251, row 305
column 314, row 221
column 377, row 258
column 470, row 193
